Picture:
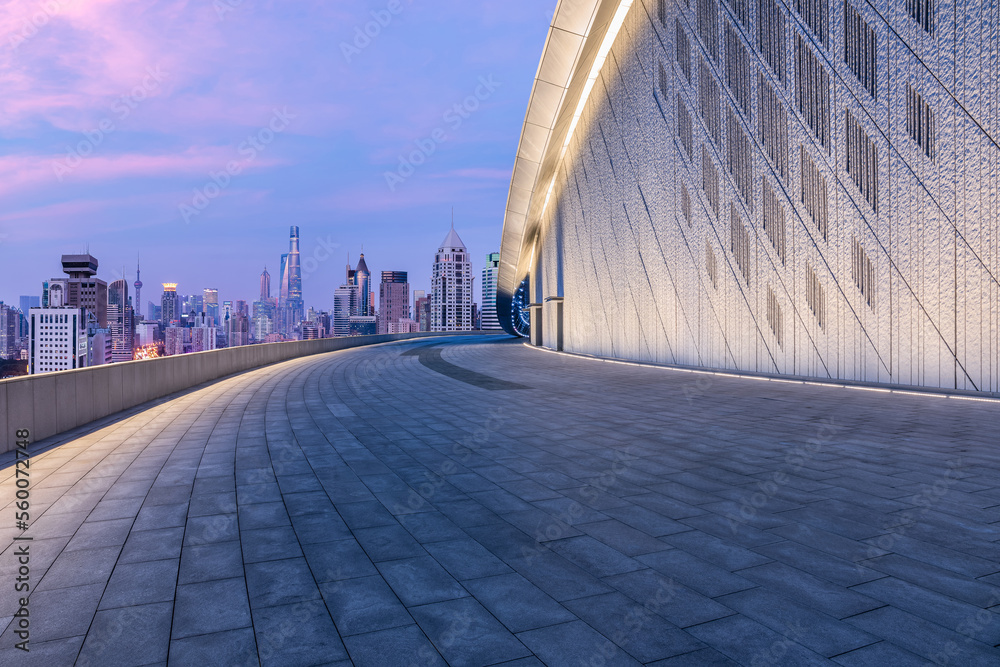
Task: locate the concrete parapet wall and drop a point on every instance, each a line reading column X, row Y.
column 52, row 403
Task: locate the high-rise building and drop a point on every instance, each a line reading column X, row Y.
column 363, row 279
column 120, row 321
column 310, row 331
column 451, row 295
column 265, row 285
column 202, row 339
column 211, row 305
column 58, row 339
column 174, row 339
column 29, row 302
column 10, row 321
column 291, row 307
column 345, row 306
column 83, row 289
column 422, row 313
column 153, row 312
column 491, row 272
column 169, row 304
column 393, row 299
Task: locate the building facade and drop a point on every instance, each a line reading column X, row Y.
column 291, row 307
column 393, row 299
column 804, row 188
column 451, row 286
column 170, row 304
column 58, row 339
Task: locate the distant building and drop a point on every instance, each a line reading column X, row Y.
column 309, row 331
column 169, row 304
column 362, row 277
column 451, row 295
column 10, row 323
column 363, row 325
column 82, row 289
column 422, row 313
column 120, row 321
column 404, row 325
column 174, row 339
column 491, row 273
column 58, row 339
column 291, row 309
column 145, row 334
column 202, row 339
column 153, row 312
column 393, row 299
column 210, row 303
column 345, row 305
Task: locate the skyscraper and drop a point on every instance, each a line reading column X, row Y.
column 120, row 321
column 393, row 299
column 345, row 306
column 363, row 279
column 422, row 312
column 291, row 306
column 491, row 272
column 211, row 304
column 83, row 289
column 169, row 304
column 265, row 285
column 451, row 300
column 10, row 321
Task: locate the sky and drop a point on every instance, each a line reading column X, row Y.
column 194, row 134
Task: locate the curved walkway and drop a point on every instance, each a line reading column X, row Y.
column 477, row 502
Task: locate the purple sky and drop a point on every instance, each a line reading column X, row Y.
column 115, row 113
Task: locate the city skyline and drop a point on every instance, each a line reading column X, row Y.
column 250, row 285
column 329, row 136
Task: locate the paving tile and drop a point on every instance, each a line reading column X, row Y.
column 363, row 605
column 928, row 640
column 280, row 582
column 815, row 630
column 136, row 635
column 265, row 544
column 43, row 653
column 466, row 559
column 573, row 643
column 211, row 607
column 233, row 647
column 634, row 627
column 466, row 634
column 58, row 614
column 297, row 634
column 677, row 603
column 594, row 557
column 388, row 543
column 748, row 642
column 141, row 583
column 148, row 545
column 517, row 603
column 831, row 599
column 333, row 561
column 395, row 647
column 420, row 581
column 696, row 573
column 206, row 562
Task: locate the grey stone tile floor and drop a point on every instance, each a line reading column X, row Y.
column 478, row 502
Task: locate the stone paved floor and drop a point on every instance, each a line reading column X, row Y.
column 479, row 502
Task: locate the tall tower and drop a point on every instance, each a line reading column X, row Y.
column 120, row 321
column 138, row 291
column 291, row 308
column 451, row 300
column 265, row 285
column 363, row 279
column 491, row 273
